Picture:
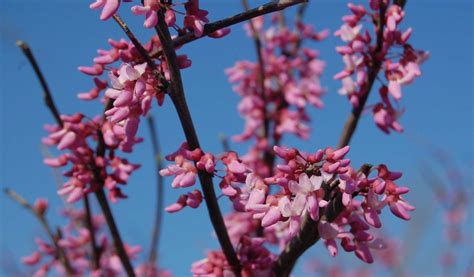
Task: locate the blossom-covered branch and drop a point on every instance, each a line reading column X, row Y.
column 67, row 138
column 39, row 209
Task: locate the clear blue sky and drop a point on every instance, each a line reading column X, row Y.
column 63, row 36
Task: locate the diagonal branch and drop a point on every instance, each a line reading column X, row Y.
column 48, row 99
column 179, row 101
column 273, row 6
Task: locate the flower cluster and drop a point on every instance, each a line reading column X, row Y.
column 364, row 56
column 74, row 247
column 308, row 182
column 194, row 18
column 255, row 259
column 291, row 82
column 87, row 168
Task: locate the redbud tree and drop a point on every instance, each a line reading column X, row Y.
column 282, row 200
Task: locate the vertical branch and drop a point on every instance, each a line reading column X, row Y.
column 155, row 235
column 179, row 101
column 118, row 244
column 44, row 223
column 95, row 253
column 105, row 207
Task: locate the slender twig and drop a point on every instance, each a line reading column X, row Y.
column 48, row 99
column 44, row 222
column 90, row 226
column 309, row 235
column 179, row 101
column 155, row 234
column 273, row 6
column 224, row 142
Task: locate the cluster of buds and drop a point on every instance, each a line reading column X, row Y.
column 362, row 52
column 309, row 182
column 87, row 168
column 291, row 81
column 194, row 18
column 255, row 260
column 74, row 247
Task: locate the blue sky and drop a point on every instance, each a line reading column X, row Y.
column 439, row 113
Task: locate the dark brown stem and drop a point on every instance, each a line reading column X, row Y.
column 48, row 99
column 43, row 221
column 95, row 250
column 104, row 205
column 155, row 234
column 309, row 235
column 210, row 28
column 118, row 244
column 179, row 101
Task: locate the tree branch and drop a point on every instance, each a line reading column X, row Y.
column 273, row 6
column 155, row 235
column 48, row 99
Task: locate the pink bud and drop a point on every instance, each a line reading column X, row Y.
column 40, row 206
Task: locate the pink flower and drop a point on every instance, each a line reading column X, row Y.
column 193, row 199
column 109, row 7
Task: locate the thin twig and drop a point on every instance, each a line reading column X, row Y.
column 48, row 100
column 155, row 234
column 43, row 221
column 179, row 101
column 96, row 251
column 210, row 28
column 309, row 235
column 224, row 142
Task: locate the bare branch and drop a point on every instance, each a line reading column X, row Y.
column 155, row 235
column 48, row 99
